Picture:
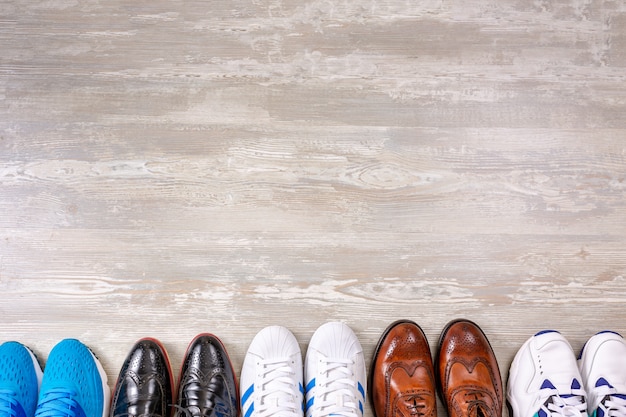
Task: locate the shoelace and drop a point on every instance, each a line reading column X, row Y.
column 183, row 410
column 416, row 405
column 476, row 401
column 336, row 393
column 218, row 410
column 277, row 386
column 8, row 403
column 57, row 403
column 566, row 405
column 615, row 406
column 188, row 413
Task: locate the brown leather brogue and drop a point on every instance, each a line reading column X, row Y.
column 469, row 378
column 402, row 377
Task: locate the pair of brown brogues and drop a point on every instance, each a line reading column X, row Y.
column 403, row 379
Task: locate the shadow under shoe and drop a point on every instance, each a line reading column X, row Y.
column 208, row 386
column 144, row 385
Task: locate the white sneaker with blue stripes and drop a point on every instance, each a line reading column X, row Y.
column 271, row 377
column 544, row 379
column 602, row 363
column 334, row 373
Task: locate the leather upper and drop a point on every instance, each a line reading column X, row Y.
column 144, row 385
column 402, row 380
column 208, row 386
column 469, row 377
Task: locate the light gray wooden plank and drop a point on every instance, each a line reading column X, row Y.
column 169, row 168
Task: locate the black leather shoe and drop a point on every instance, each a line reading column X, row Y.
column 208, row 387
column 144, row 386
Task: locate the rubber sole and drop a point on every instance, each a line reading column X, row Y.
column 36, row 365
column 106, row 390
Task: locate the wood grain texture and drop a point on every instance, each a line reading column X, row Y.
column 176, row 167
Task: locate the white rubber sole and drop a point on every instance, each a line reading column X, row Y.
column 106, row 390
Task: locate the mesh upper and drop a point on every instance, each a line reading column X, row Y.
column 72, row 367
column 17, row 374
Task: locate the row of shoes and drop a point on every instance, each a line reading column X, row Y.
column 74, row 383
column 545, row 379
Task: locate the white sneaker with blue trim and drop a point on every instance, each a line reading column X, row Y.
column 271, row 377
column 334, row 373
column 602, row 363
column 544, row 380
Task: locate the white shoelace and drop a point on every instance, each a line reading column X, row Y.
column 335, row 393
column 276, row 397
column 614, row 406
column 567, row 406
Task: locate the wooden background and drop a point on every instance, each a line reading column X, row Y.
column 176, row 167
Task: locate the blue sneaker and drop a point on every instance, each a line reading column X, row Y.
column 74, row 383
column 20, row 379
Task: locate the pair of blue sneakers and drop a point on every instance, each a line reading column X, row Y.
column 74, row 383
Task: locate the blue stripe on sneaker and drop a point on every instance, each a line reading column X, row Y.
column 600, row 382
column 310, row 385
column 361, row 407
column 250, row 410
column 247, row 394
column 361, row 390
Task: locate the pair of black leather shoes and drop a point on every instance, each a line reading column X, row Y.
column 207, row 386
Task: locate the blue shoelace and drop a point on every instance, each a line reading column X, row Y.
column 8, row 403
column 59, row 403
